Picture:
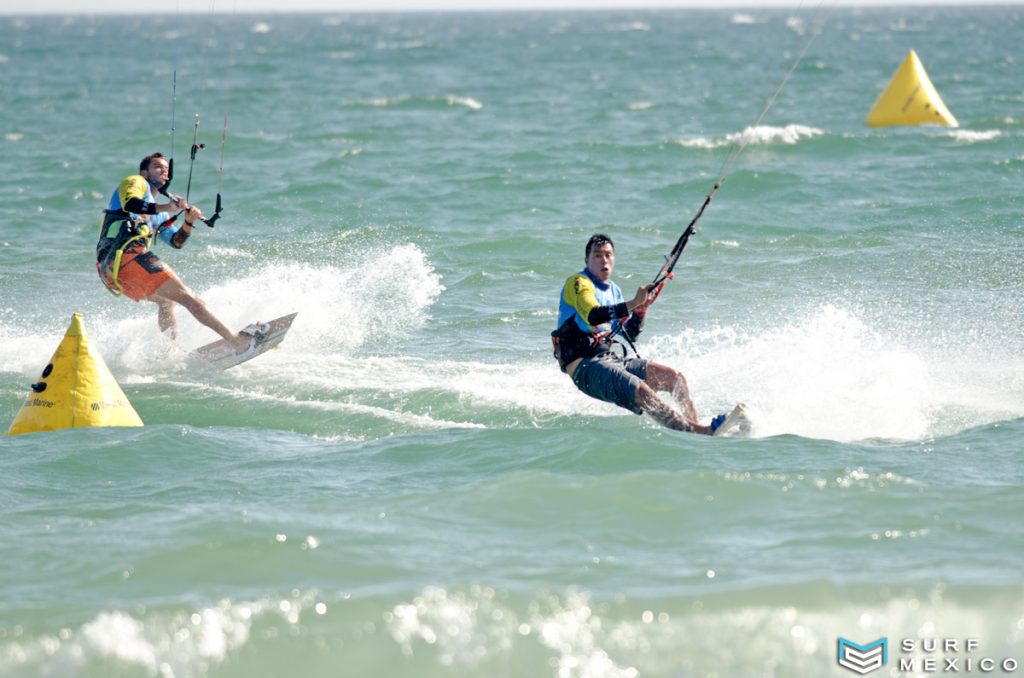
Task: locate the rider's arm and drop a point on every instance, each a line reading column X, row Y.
column 191, row 216
column 181, row 235
column 132, row 193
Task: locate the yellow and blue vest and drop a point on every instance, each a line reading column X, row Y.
column 589, row 311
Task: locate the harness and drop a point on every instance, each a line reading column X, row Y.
column 118, row 231
column 569, row 342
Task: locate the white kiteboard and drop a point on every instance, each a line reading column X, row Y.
column 222, row 355
column 736, row 424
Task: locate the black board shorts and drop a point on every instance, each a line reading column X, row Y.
column 611, row 379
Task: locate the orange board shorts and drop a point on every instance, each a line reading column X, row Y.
column 141, row 274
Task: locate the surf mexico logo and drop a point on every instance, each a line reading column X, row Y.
column 922, row 656
column 863, row 658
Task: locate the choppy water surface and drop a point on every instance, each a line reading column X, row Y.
column 409, row 487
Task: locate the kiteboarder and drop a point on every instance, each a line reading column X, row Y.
column 124, row 259
column 591, row 310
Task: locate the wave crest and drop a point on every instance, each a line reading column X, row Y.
column 762, row 134
column 966, row 136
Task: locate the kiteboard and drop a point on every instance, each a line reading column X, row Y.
column 265, row 336
column 736, row 424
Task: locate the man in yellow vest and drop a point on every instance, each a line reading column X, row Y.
column 125, row 261
column 591, row 310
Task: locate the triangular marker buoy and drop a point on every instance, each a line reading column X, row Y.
column 76, row 389
column 910, row 99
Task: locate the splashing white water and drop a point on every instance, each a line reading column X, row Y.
column 763, row 134
column 966, row 136
column 375, row 295
column 740, row 19
column 827, row 375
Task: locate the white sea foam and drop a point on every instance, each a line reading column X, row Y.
column 463, row 627
column 174, row 645
column 966, row 136
column 255, row 391
column 790, row 134
column 158, row 644
column 468, row 102
column 340, row 304
column 261, row 27
column 796, row 24
column 27, row 350
column 401, row 99
column 743, row 19
column 827, row 375
column 380, row 102
column 577, row 634
column 225, row 251
column 479, row 629
column 531, row 388
column 466, row 628
column 590, row 638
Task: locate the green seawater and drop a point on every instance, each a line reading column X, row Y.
column 409, row 486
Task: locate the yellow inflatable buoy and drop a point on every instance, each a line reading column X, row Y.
column 910, row 99
column 76, row 389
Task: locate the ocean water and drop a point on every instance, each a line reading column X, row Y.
column 409, row 486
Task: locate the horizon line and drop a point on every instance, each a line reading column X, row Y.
column 504, row 6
